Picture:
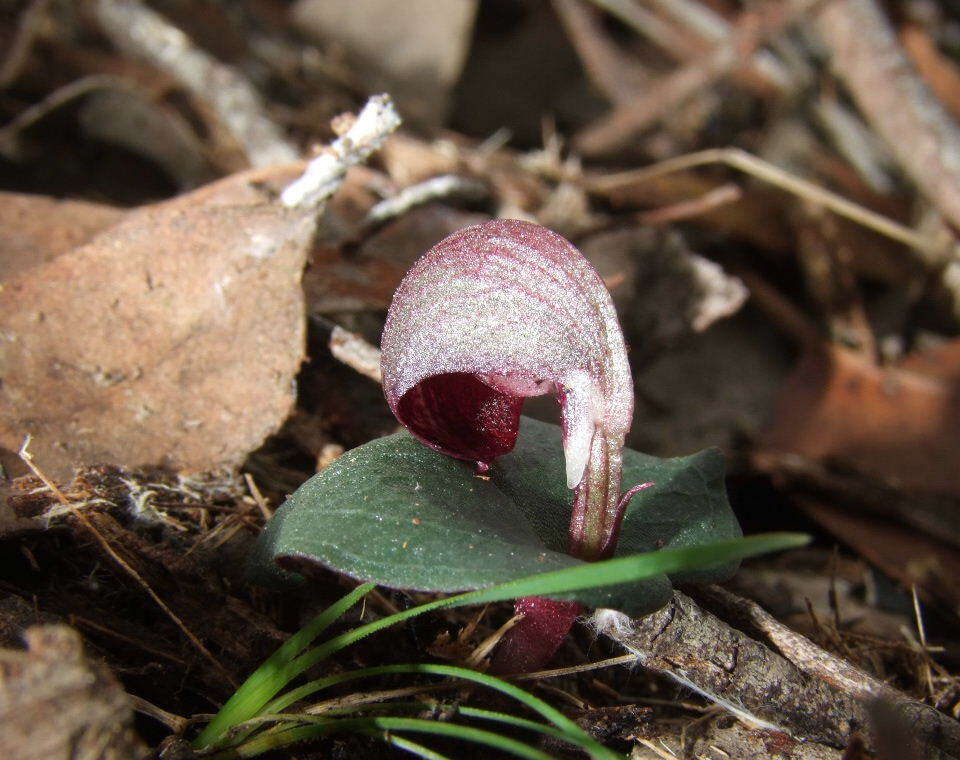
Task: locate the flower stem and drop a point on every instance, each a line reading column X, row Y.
column 597, row 508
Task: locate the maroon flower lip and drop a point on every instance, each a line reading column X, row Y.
column 497, row 313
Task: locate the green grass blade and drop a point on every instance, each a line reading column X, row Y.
column 262, row 683
column 250, row 700
column 605, row 573
column 322, row 727
column 532, row 725
column 633, row 568
column 589, row 746
column 412, row 747
column 568, row 729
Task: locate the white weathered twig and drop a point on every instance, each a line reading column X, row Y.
column 355, row 352
column 141, row 32
column 423, row 192
column 325, row 173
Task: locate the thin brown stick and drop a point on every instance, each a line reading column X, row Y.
column 650, row 26
column 676, row 212
column 624, row 659
column 10, row 132
column 355, row 352
column 27, row 458
column 486, row 646
column 932, row 251
column 257, row 496
column 710, row 28
column 77, row 620
column 625, row 122
column 781, row 312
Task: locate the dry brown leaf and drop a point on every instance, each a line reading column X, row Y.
column 173, row 337
column 900, row 423
column 37, row 229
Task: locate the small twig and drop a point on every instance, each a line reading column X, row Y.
column 936, row 67
column 10, row 132
column 19, row 48
column 257, row 496
column 698, row 17
column 429, row 190
column 663, row 754
column 77, row 620
column 325, row 173
column 372, row 697
column 933, row 251
column 650, row 26
column 709, row 201
column 855, row 142
column 350, row 348
column 27, row 458
column 930, row 725
column 712, row 28
column 355, row 352
column 486, row 646
column 604, row 63
column 174, row 722
column 141, row 32
column 625, row 121
column 916, row 127
column 624, row 659
column 922, row 644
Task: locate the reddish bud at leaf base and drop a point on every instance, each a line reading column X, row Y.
column 535, row 639
column 494, row 314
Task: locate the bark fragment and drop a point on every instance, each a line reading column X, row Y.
column 57, row 705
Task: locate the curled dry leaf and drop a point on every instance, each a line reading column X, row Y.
column 171, row 337
column 897, row 423
column 129, row 119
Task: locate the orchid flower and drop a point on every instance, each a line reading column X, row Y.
column 488, row 317
column 497, row 313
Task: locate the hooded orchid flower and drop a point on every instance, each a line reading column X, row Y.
column 488, row 317
column 497, row 313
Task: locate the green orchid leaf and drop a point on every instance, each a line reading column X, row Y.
column 686, row 506
column 404, row 516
